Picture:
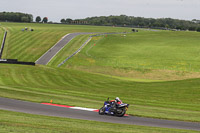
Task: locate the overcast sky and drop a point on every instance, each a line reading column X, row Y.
column 58, row 9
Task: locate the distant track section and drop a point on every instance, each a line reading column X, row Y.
column 46, row 58
column 87, row 42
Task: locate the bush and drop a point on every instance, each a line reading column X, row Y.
column 198, row 29
column 192, row 28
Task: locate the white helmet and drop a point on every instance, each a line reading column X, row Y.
column 117, row 99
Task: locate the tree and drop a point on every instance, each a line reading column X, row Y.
column 68, row 20
column 115, row 20
column 45, row 20
column 198, row 29
column 25, row 19
column 63, row 21
column 161, row 23
column 30, row 17
column 15, row 17
column 192, row 28
column 38, row 19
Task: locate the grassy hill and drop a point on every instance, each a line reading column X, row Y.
column 141, row 68
column 161, row 55
column 170, row 100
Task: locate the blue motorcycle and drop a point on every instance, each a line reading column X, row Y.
column 112, row 108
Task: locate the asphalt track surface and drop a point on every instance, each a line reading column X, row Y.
column 40, row 109
column 46, row 58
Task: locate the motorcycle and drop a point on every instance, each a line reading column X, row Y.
column 112, row 108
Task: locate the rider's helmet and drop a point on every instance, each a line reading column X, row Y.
column 117, row 99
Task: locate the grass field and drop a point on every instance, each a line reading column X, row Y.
column 161, row 55
column 170, row 100
column 26, row 123
column 157, row 73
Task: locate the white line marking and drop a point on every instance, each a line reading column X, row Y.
column 80, row 108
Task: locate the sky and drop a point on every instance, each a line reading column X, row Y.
column 55, row 10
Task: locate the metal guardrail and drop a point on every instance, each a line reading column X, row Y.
column 76, row 51
column 3, row 43
column 15, row 61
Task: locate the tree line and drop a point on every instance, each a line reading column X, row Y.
column 38, row 19
column 15, row 17
column 122, row 20
column 131, row 21
column 20, row 17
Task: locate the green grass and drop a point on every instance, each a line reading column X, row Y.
column 1, row 35
column 168, row 100
column 134, row 67
column 174, row 54
column 29, row 46
column 27, row 123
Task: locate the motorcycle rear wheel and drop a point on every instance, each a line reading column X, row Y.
column 101, row 111
column 122, row 113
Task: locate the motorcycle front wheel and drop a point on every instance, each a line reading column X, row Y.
column 101, row 111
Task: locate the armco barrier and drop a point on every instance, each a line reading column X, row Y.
column 3, row 43
column 75, row 52
column 15, row 61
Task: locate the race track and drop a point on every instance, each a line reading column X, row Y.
column 46, row 58
column 41, row 109
column 36, row 108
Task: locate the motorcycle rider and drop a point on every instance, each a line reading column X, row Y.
column 114, row 107
column 118, row 101
column 115, row 103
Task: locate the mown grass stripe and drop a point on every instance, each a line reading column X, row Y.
column 17, row 52
column 23, row 45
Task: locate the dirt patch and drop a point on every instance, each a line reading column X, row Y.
column 167, row 75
